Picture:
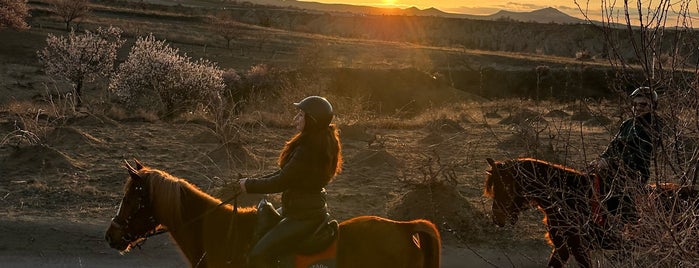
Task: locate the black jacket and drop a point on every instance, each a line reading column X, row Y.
column 300, row 180
column 633, row 144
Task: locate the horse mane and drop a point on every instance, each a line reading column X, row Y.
column 167, row 191
column 489, row 190
column 543, row 162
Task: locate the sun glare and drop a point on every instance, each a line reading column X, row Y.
column 389, row 2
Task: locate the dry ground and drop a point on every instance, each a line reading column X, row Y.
column 62, row 175
column 58, row 198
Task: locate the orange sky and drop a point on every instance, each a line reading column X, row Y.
column 475, row 7
column 487, row 7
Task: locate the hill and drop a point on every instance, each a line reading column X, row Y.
column 545, row 15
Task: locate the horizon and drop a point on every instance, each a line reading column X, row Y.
column 470, row 7
column 480, row 7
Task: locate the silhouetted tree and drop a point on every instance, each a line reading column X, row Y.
column 225, row 27
column 70, row 10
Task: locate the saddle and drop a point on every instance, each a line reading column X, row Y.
column 323, row 236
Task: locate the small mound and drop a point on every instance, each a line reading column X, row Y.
column 557, row 113
column 445, row 125
column 432, row 138
column 492, row 114
column 598, row 120
column 91, row 120
column 204, row 137
column 231, row 155
column 582, row 115
column 524, row 115
column 443, row 205
column 374, row 158
column 38, row 159
column 356, row 132
column 467, row 118
column 70, row 136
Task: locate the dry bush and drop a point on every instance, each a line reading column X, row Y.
column 156, row 77
column 431, row 171
column 13, row 14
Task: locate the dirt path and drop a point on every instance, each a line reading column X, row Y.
column 61, row 243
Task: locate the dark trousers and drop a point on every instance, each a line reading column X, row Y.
column 281, row 240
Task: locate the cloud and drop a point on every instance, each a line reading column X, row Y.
column 514, row 6
column 473, row 10
column 480, row 9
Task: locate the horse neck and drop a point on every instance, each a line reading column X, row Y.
column 201, row 221
column 179, row 204
column 530, row 182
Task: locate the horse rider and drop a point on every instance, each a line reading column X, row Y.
column 625, row 163
column 309, row 161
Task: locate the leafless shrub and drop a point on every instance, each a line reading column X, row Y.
column 70, row 10
column 431, row 172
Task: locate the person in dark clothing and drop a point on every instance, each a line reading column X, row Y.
column 308, row 162
column 625, row 164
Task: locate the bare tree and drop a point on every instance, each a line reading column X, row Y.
column 70, row 10
column 13, row 14
column 81, row 58
column 226, row 27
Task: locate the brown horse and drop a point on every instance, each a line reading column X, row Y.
column 562, row 194
column 210, row 234
column 570, row 200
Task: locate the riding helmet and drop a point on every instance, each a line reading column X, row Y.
column 645, row 92
column 317, row 108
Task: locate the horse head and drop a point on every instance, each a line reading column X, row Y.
column 135, row 218
column 502, row 189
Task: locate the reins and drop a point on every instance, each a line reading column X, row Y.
column 227, row 201
column 165, row 230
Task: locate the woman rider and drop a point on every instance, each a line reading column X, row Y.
column 308, row 162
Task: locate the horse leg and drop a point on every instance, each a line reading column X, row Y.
column 580, row 251
column 560, row 254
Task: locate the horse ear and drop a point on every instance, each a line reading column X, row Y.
column 491, row 162
column 132, row 172
column 493, row 166
column 139, row 166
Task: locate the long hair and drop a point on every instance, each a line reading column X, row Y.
column 324, row 141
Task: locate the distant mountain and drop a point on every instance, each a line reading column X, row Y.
column 545, row 15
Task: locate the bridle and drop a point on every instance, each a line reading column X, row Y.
column 137, row 240
column 514, row 202
column 135, row 237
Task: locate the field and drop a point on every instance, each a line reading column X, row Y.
column 421, row 156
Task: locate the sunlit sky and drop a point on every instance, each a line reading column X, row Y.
column 474, row 7
column 487, row 7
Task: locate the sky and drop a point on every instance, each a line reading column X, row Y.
column 473, row 7
column 487, row 7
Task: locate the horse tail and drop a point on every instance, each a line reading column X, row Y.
column 430, row 241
